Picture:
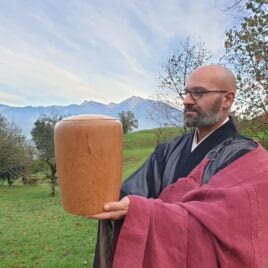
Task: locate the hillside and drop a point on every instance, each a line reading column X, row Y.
column 139, row 145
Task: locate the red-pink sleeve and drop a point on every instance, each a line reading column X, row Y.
column 154, row 234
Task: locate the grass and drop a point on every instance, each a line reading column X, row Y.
column 139, row 145
column 36, row 232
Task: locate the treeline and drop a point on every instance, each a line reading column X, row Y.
column 24, row 159
column 16, row 154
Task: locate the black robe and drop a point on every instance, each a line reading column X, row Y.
column 169, row 162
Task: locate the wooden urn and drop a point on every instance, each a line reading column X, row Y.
column 89, row 156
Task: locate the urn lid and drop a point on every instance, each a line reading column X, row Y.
column 83, row 117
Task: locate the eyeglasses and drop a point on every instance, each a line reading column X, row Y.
column 197, row 93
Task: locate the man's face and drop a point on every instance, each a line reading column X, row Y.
column 206, row 111
column 202, row 116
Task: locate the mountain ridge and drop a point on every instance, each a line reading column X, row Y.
column 24, row 117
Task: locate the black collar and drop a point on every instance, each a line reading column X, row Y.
column 190, row 160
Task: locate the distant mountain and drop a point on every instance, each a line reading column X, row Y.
column 24, row 117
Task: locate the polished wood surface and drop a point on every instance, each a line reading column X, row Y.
column 89, row 156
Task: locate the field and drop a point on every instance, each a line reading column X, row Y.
column 36, row 232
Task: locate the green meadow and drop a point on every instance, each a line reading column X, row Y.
column 36, row 232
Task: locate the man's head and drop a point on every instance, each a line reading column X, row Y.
column 208, row 110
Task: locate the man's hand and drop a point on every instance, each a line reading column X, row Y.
column 113, row 210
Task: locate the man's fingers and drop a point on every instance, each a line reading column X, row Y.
column 115, row 206
column 112, row 215
column 113, row 210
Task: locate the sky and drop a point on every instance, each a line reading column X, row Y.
column 68, row 51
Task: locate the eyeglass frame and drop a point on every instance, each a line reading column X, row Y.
column 201, row 90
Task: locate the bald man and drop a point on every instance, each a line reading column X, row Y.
column 199, row 200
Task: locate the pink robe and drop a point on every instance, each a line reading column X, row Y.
column 221, row 224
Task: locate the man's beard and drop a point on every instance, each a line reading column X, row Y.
column 203, row 119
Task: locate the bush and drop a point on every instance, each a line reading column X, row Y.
column 264, row 143
column 30, row 180
column 39, row 166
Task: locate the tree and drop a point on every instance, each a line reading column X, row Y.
column 237, row 7
column 160, row 135
column 247, row 52
column 128, row 121
column 43, row 137
column 16, row 153
column 168, row 95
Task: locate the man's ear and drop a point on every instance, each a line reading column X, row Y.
column 228, row 100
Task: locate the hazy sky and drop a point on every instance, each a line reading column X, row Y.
column 67, row 51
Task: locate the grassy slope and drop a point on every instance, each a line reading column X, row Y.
column 139, row 145
column 36, row 232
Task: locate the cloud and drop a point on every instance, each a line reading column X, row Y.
column 61, row 52
column 43, row 79
column 173, row 20
column 11, row 99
